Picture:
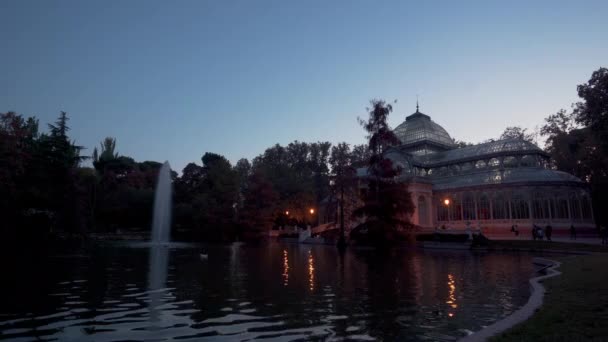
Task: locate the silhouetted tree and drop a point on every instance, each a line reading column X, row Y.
column 387, row 203
column 343, row 179
column 516, row 132
column 578, row 141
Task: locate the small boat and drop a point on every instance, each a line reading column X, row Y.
column 204, row 256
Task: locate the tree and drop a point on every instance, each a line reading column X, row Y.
column 516, row 132
column 360, row 155
column 260, row 206
column 593, row 110
column 461, row 144
column 578, row 140
column 387, row 202
column 342, row 177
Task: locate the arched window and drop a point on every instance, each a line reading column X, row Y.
column 494, row 163
column 509, row 162
column 528, row 161
column 455, row 208
column 442, row 171
column 430, row 172
column 468, row 207
column 466, row 166
column 519, row 207
column 454, row 170
column 540, row 207
column 500, row 209
column 575, row 207
column 483, row 207
column 561, row 208
column 586, row 207
column 423, row 172
column 480, row 164
column 423, row 212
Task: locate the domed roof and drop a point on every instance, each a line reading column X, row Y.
column 419, row 127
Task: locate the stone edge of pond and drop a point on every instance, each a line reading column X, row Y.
column 525, row 312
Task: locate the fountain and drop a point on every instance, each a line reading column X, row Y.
column 161, row 224
column 159, row 253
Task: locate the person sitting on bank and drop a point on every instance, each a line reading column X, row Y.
column 548, row 232
column 534, row 232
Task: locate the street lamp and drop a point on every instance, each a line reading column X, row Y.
column 312, row 211
column 287, row 212
column 447, row 208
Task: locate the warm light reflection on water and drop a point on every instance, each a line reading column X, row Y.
column 285, row 268
column 273, row 291
column 452, row 294
column 311, row 271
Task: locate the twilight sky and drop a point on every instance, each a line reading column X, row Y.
column 174, row 79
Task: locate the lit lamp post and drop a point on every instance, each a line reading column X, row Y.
column 447, row 206
column 312, row 213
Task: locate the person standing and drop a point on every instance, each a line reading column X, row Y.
column 572, row 232
column 540, row 233
column 534, row 232
column 548, row 232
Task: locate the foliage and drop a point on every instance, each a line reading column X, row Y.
column 517, row 132
column 387, row 203
column 299, row 174
column 578, row 141
column 38, row 176
column 342, row 178
column 461, row 144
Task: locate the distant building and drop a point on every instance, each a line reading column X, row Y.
column 493, row 185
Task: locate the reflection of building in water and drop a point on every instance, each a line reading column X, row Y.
column 494, row 185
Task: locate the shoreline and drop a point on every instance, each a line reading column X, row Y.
column 525, row 312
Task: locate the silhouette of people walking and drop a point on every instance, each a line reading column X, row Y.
column 572, row 232
column 515, row 230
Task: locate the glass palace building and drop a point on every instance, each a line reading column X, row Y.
column 492, row 185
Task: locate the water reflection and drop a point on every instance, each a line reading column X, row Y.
column 157, row 277
column 285, row 268
column 282, row 292
column 452, row 292
column 311, row 271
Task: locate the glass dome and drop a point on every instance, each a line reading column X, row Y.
column 419, row 127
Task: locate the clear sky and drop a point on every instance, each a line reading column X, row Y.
column 171, row 80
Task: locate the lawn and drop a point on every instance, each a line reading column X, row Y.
column 545, row 245
column 575, row 306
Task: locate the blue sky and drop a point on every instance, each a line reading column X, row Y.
column 171, row 80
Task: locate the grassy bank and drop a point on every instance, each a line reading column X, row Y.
column 575, row 305
column 545, row 245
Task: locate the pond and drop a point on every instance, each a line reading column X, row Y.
column 276, row 292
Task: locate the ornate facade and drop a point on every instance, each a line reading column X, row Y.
column 492, row 185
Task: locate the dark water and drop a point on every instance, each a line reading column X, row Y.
column 273, row 292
